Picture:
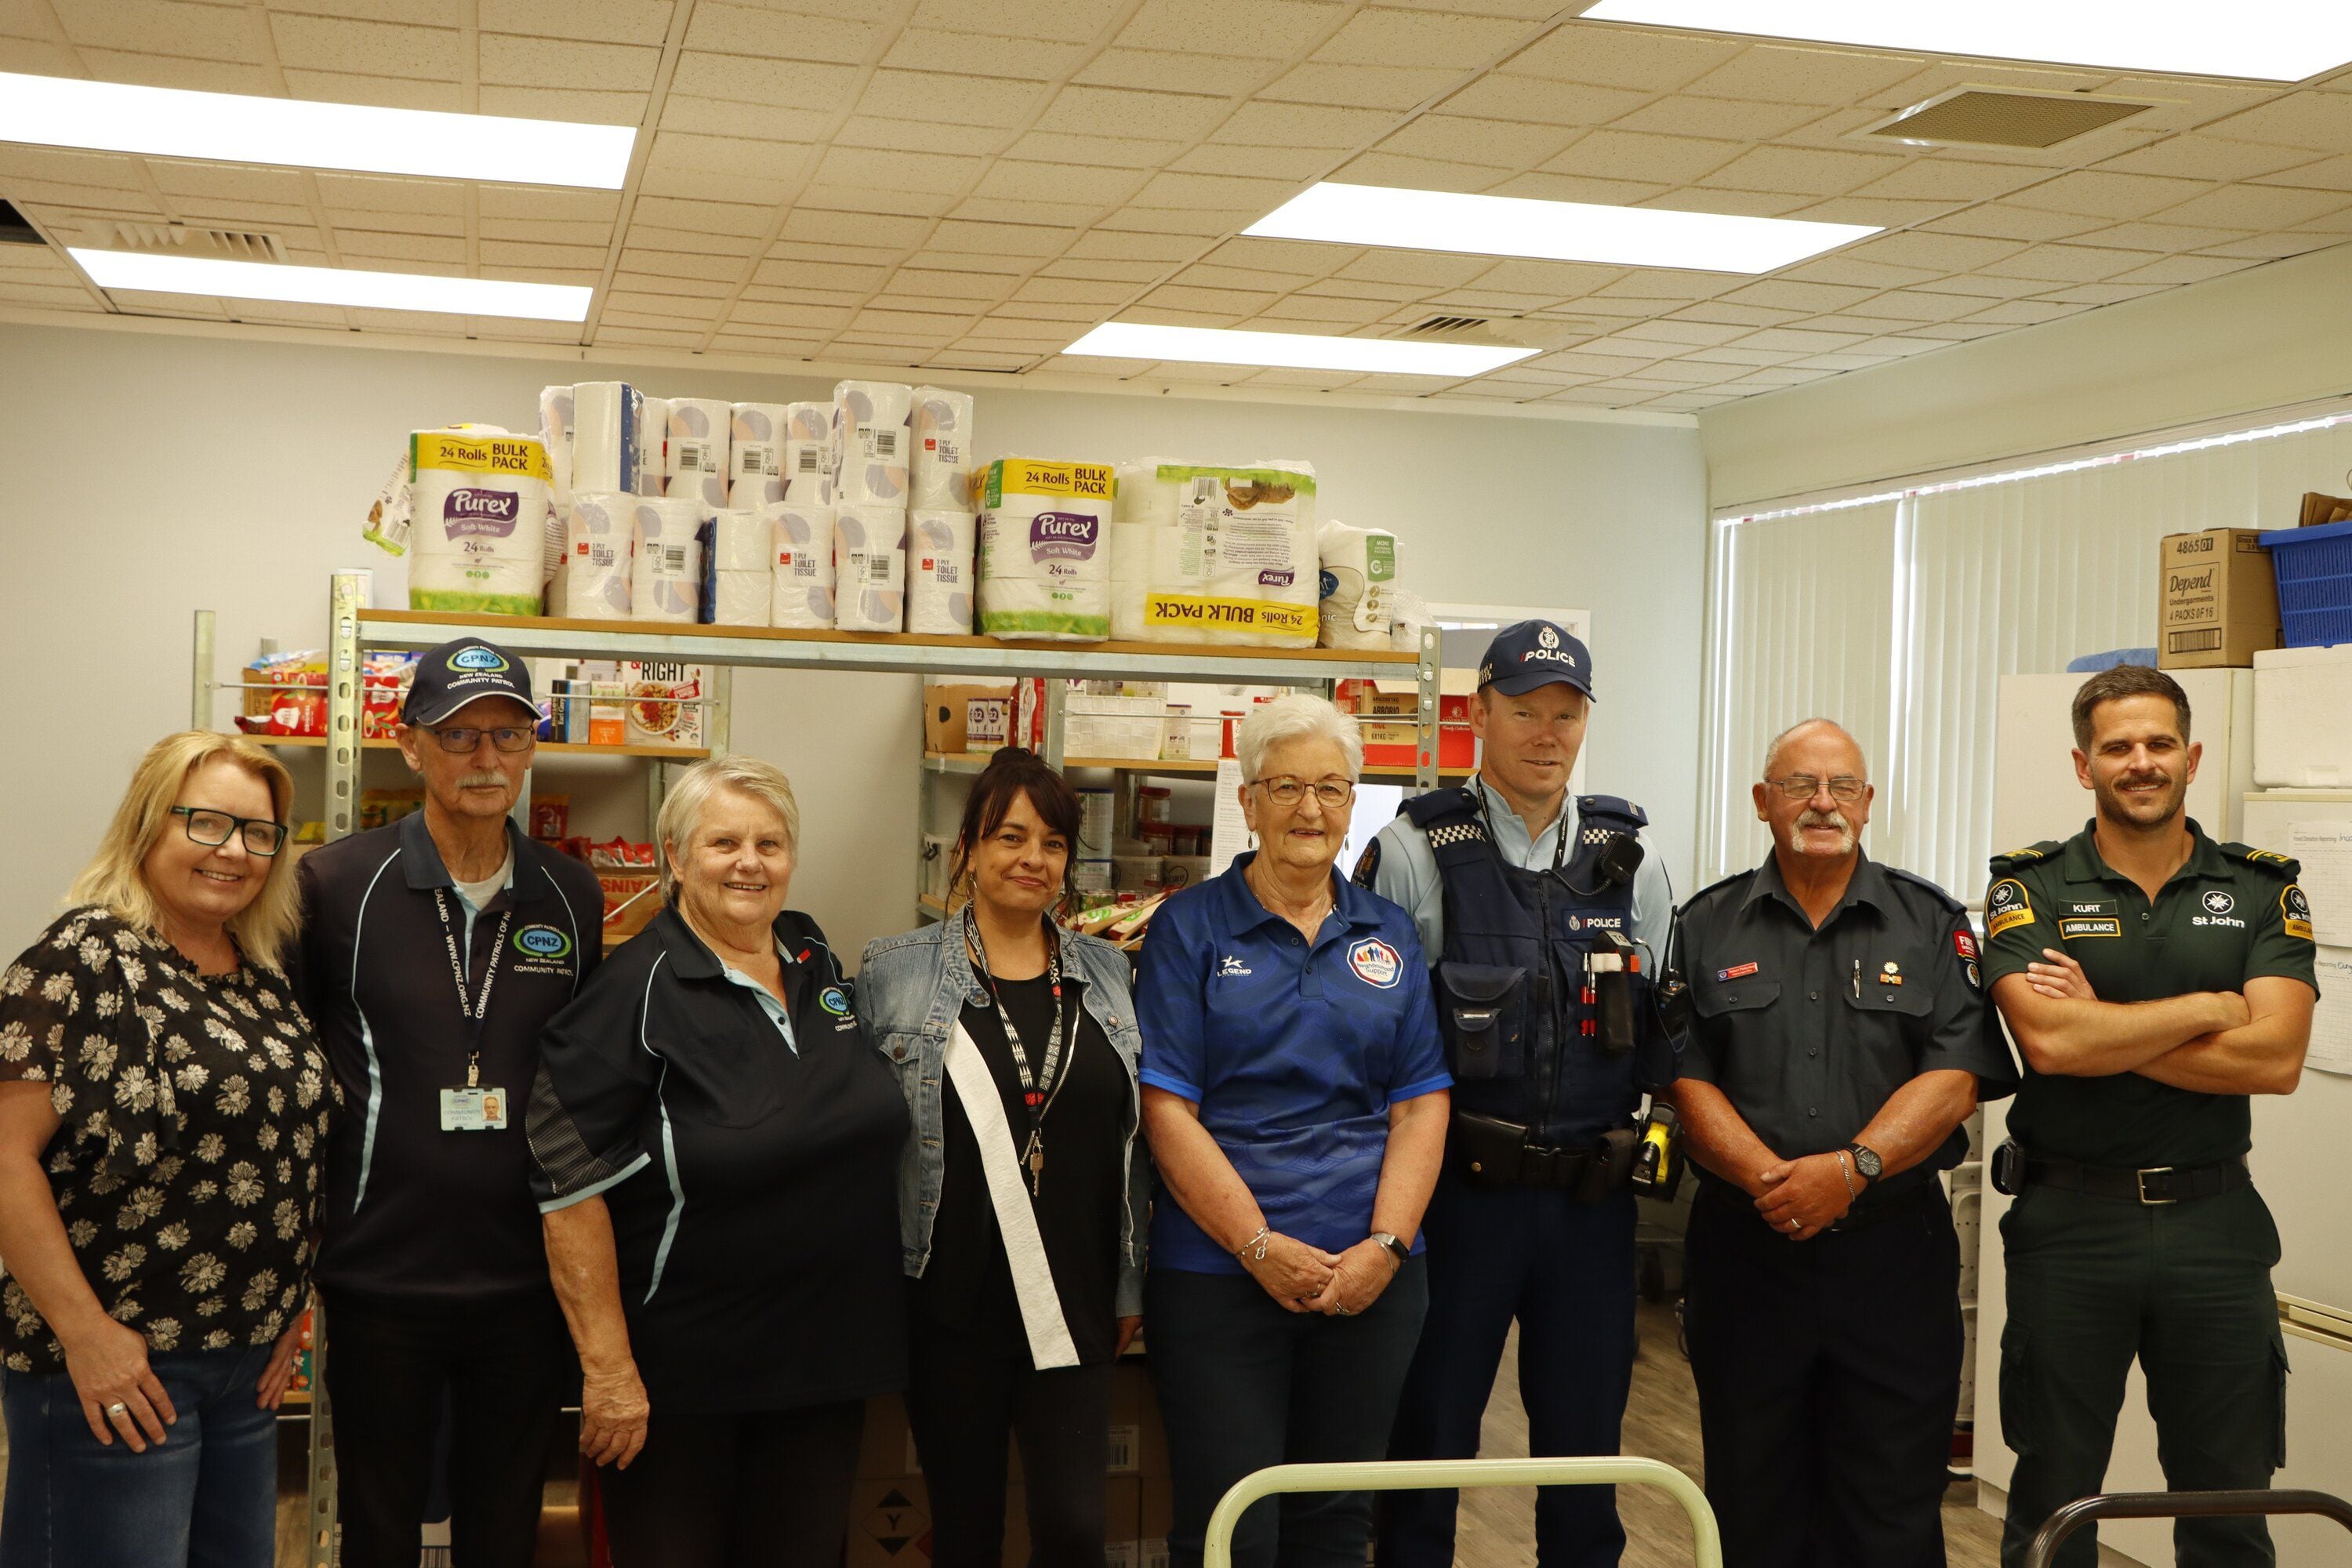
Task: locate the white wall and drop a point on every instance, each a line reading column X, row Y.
column 2255, row 339
column 151, row 475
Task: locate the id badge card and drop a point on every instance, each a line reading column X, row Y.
column 473, row 1110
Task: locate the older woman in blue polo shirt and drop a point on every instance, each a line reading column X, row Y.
column 1295, row 1093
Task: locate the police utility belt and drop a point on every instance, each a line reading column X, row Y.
column 2013, row 1169
column 1489, row 1151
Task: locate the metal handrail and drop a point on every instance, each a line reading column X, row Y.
column 1413, row 1475
column 2176, row 1505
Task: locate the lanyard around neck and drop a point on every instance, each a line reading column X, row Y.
column 472, row 1009
column 1037, row 1089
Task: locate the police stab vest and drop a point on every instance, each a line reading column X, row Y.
column 1521, row 1040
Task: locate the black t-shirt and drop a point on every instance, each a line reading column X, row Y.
column 968, row 1283
column 753, row 1182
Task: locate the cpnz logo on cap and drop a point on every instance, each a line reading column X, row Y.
column 1376, row 963
column 480, row 658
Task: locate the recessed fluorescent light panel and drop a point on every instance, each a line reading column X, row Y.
column 113, row 269
column 1291, row 351
column 1549, row 231
column 170, row 122
column 2268, row 40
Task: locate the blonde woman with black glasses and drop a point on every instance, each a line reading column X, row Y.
column 163, row 1109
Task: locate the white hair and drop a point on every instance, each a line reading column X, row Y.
column 682, row 807
column 1296, row 717
column 1773, row 751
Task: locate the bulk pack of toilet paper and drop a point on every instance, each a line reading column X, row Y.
column 1043, row 554
column 869, row 564
column 478, row 523
column 755, row 455
column 1219, row 555
column 1358, row 586
column 555, row 418
column 871, row 423
column 940, row 546
column 808, row 453
column 938, row 466
column 665, row 576
column 607, row 419
column 695, row 463
column 802, row 581
column 600, row 551
column 738, row 552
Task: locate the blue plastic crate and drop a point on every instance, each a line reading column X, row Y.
column 2314, row 582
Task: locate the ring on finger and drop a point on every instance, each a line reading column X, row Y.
column 118, row 1409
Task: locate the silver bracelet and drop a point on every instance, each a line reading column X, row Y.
column 1258, row 1242
column 1844, row 1161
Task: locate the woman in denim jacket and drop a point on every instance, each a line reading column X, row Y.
column 1023, row 1197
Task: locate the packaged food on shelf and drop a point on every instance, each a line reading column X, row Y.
column 384, row 685
column 1182, row 870
column 550, row 816
column 608, row 715
column 1388, row 713
column 297, row 700
column 665, row 702
column 378, row 807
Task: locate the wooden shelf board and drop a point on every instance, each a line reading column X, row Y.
column 546, row 748
column 1174, row 767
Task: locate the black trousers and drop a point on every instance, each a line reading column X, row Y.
column 506, row 1366
column 762, row 1489
column 1244, row 1383
column 965, row 1392
column 1829, row 1375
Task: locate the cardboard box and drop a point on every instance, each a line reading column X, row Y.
column 2216, row 599
column 947, row 714
column 632, row 899
column 1138, row 1443
column 664, row 703
column 1387, row 712
column 890, row 1524
column 886, row 1449
column 1158, row 1513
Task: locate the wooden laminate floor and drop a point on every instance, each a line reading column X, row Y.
column 1496, row 1526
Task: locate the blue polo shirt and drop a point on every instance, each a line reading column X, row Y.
column 1294, row 1054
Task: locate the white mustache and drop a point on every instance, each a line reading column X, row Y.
column 1809, row 817
column 478, row 779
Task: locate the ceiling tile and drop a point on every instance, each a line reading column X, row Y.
column 1417, row 174
column 1544, row 187
column 377, row 92
column 935, row 49
column 1105, row 110
column 1741, row 203
column 1647, row 59
column 937, row 172
column 2183, row 269
column 2255, row 207
column 1831, row 78
column 2206, row 158
column 1153, row 70
column 1364, row 86
column 566, row 66
column 368, row 49
column 1297, row 164
column 1012, row 179
column 2316, row 120
column 1732, row 119
column 726, row 30
column 602, row 21
column 1011, row 240
column 1093, row 151
column 1538, row 100
column 1430, row 269
column 1801, row 171
column 1638, row 156
column 2161, row 235
column 2096, row 192
column 800, row 85
column 2101, row 293
column 1494, row 142
column 1300, row 125
column 2000, row 220
column 1376, row 36
column 2065, row 263
column 1782, row 294
column 170, row 28
column 1737, row 315
column 1069, row 21
column 935, row 98
column 179, row 71
column 1845, row 267
column 1264, row 29
column 1950, row 179
column 564, row 103
column 1246, row 201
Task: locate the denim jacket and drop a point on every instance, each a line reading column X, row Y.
column 910, row 991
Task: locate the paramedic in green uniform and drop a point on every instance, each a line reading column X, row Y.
column 2154, row 979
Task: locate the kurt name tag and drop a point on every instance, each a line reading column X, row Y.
column 473, row 1110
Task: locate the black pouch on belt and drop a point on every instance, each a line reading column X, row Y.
column 1487, row 1149
column 1610, row 1167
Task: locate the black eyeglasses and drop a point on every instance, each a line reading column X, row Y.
column 462, row 738
column 212, row 828
column 1284, row 790
column 1801, row 786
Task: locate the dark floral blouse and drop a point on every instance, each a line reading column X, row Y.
column 194, row 1116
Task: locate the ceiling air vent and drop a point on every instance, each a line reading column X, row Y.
column 1989, row 117
column 216, row 244
column 1541, row 332
column 14, row 229
column 1447, row 326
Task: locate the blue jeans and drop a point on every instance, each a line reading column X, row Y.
column 207, row 1498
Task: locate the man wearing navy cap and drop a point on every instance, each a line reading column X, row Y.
column 434, row 949
column 1534, row 907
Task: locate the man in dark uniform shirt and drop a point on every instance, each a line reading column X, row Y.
column 1841, row 1037
column 2154, row 979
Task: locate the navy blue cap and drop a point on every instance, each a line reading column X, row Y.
column 457, row 673
column 1532, row 654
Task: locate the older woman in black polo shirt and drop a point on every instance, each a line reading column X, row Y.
column 715, row 1153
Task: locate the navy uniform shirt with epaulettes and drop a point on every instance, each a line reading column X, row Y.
column 2229, row 915
column 1809, row 1032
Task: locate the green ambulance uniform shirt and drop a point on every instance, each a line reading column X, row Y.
column 2229, row 915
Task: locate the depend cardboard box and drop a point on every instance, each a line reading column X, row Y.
column 948, row 713
column 2217, row 600
column 666, row 703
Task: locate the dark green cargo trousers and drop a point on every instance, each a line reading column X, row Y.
column 2185, row 1288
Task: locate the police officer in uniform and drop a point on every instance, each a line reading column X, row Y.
column 1544, row 919
column 1841, row 1037
column 2154, row 980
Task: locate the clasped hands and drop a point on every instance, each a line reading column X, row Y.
column 1306, row 1279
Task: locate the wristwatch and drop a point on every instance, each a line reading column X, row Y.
column 1403, row 1253
column 1865, row 1161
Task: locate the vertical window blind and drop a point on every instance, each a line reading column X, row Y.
column 1897, row 614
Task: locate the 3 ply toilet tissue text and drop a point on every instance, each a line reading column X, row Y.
column 939, row 471
column 599, row 554
column 802, row 583
column 940, row 551
column 665, row 578
column 869, row 564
